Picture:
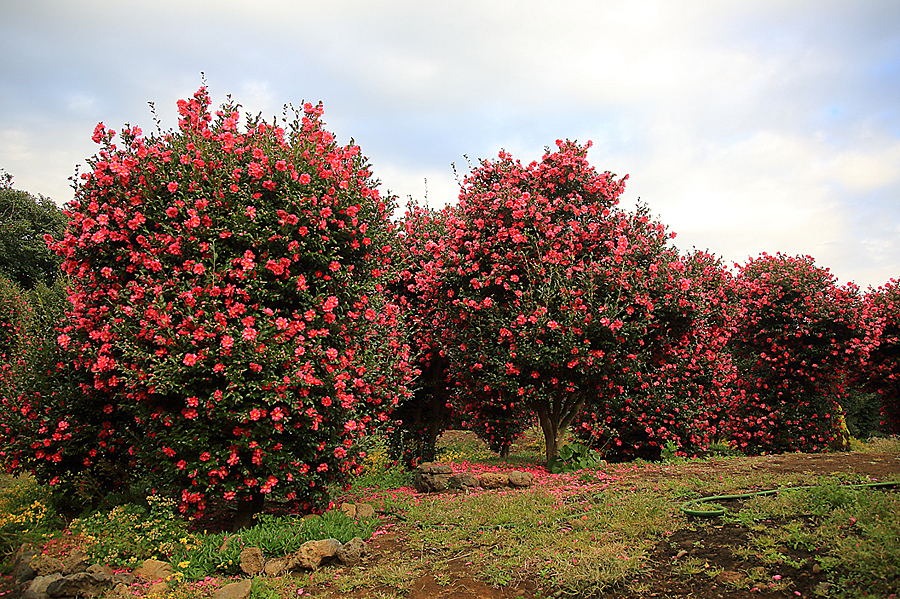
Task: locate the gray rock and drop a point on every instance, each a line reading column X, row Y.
column 252, row 561
column 45, row 565
column 235, row 590
column 75, row 561
column 432, row 483
column 80, row 584
column 124, row 578
column 464, row 481
column 434, row 468
column 313, row 553
column 37, row 588
column 21, row 568
column 352, row 551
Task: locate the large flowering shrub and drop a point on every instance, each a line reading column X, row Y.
column 550, row 301
column 799, row 334
column 417, row 422
column 882, row 372
column 227, row 306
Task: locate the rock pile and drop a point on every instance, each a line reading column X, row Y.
column 433, row 477
column 43, row 577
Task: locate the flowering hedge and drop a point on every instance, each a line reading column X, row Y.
column 548, row 300
column 227, row 306
column 882, row 372
column 799, row 334
column 417, row 422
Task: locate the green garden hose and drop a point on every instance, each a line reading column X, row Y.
column 719, row 510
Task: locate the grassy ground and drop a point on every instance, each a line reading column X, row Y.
column 615, row 531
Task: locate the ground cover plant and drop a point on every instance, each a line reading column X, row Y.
column 614, row 531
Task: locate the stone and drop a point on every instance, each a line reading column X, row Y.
column 75, row 561
column 80, row 584
column 22, row 571
column 37, row 588
column 494, row 480
column 252, row 561
column 234, row 590
column 45, row 565
column 123, row 578
column 365, row 511
column 434, row 468
column 153, row 569
column 517, row 478
column 349, row 509
column 464, row 481
column 352, row 551
column 431, row 483
column 313, row 553
column 276, row 566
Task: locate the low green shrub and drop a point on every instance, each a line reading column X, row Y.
column 276, row 536
column 576, row 456
column 126, row 535
column 25, row 513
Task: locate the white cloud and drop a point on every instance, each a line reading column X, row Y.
column 747, row 127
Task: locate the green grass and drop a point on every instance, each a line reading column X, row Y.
column 595, row 534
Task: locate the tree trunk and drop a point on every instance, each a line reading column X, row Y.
column 551, row 433
column 247, row 508
column 555, row 418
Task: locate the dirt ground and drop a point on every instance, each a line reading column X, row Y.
column 709, row 543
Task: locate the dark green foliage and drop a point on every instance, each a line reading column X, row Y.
column 24, row 221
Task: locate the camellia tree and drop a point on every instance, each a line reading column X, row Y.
column 674, row 387
column 799, row 334
column 552, row 302
column 227, row 308
column 882, row 371
column 418, row 421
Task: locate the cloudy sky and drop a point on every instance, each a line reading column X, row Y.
column 747, row 127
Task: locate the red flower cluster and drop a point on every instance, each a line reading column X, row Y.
column 227, row 316
column 882, row 371
column 536, row 295
column 797, row 338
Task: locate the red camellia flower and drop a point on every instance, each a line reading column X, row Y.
column 536, row 296
column 195, row 243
